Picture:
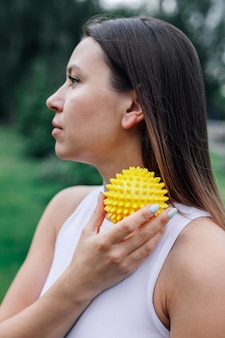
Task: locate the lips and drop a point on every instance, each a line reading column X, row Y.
column 57, row 128
column 56, row 125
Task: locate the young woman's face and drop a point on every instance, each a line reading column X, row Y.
column 87, row 121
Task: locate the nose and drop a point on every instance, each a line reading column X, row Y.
column 55, row 102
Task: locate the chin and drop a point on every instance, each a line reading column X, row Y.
column 66, row 157
column 60, row 153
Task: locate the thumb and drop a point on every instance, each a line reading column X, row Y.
column 98, row 215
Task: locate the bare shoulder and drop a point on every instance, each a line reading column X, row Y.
column 57, row 211
column 201, row 238
column 193, row 303
column 65, row 202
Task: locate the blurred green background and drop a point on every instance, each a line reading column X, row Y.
column 36, row 40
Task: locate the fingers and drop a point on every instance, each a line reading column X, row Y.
column 98, row 216
column 136, row 257
column 130, row 224
column 134, row 248
column 112, row 255
column 144, row 250
column 134, row 237
column 144, row 239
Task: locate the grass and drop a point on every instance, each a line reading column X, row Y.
column 24, row 195
column 23, row 198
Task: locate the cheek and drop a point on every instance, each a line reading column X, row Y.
column 92, row 108
column 83, row 98
column 82, row 121
column 76, row 110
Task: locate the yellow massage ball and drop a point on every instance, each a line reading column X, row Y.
column 131, row 190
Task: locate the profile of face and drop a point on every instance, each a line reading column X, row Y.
column 91, row 119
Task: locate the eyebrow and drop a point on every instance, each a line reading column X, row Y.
column 73, row 67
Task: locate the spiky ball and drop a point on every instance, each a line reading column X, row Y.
column 131, row 190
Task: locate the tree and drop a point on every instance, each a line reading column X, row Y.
column 36, row 31
column 203, row 22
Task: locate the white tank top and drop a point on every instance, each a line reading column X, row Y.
column 125, row 310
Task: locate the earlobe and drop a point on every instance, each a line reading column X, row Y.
column 131, row 119
column 133, row 115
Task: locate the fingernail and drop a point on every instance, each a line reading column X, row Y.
column 100, row 195
column 172, row 212
column 154, row 208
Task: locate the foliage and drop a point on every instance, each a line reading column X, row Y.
column 218, row 163
column 24, row 199
column 203, row 22
column 36, row 50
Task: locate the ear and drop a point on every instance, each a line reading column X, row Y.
column 134, row 114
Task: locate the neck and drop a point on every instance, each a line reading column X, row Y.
column 111, row 171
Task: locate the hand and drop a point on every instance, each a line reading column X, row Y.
column 102, row 259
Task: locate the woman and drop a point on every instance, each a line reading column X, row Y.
column 133, row 96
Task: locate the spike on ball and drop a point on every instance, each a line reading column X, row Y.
column 131, row 190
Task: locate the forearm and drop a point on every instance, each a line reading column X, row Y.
column 50, row 316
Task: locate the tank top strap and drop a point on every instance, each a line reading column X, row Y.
column 174, row 227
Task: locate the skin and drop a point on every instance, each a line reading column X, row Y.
column 190, row 290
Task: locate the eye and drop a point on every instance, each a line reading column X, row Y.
column 73, row 80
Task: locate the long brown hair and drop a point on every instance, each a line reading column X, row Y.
column 160, row 63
